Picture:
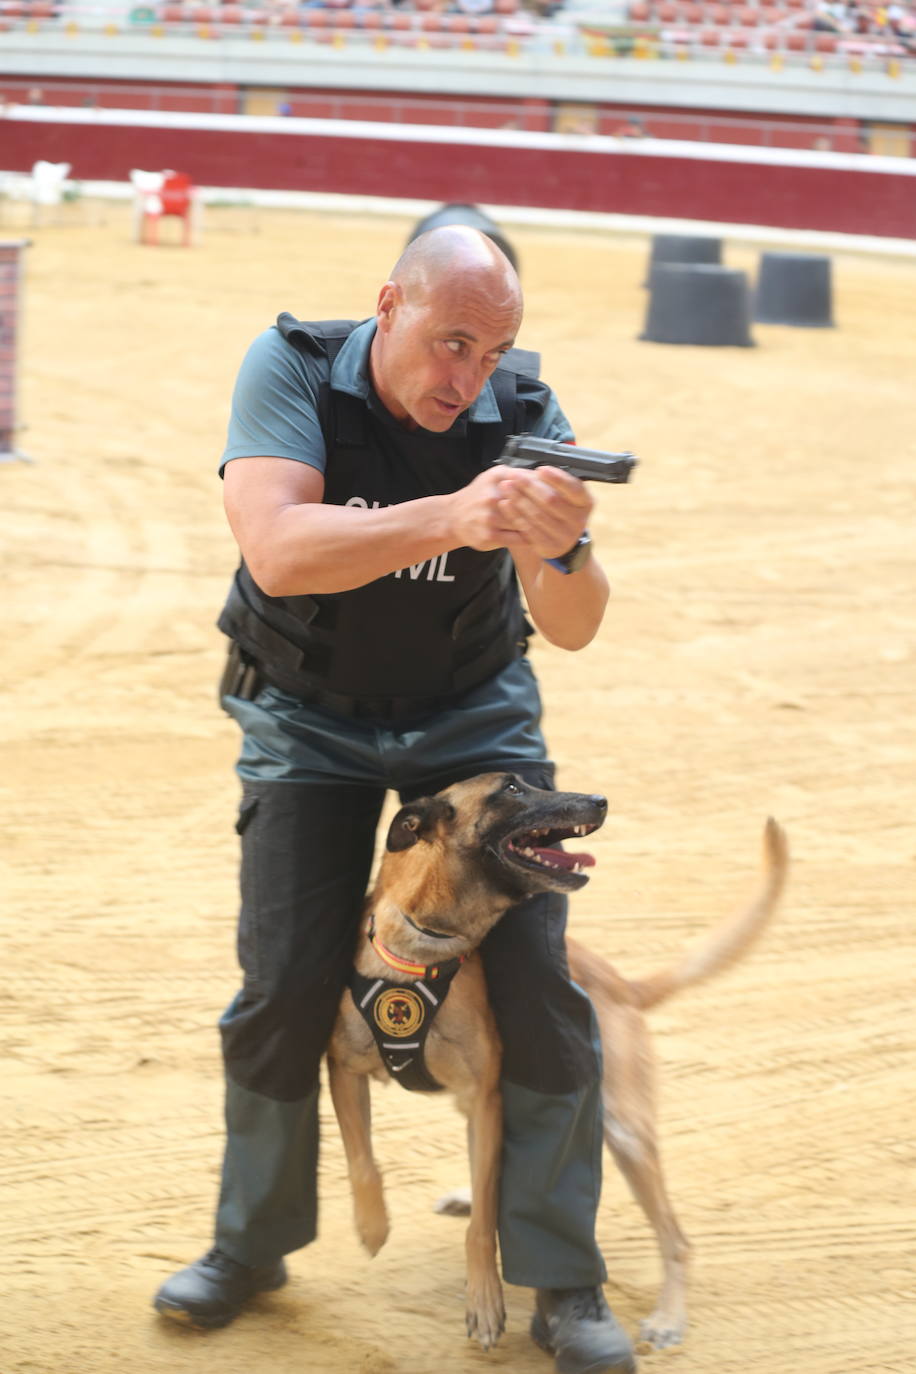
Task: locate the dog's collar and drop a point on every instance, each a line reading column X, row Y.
column 426, row 971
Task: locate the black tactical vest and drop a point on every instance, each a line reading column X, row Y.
column 427, row 632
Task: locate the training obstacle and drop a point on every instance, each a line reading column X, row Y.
column 698, row 303
column 10, row 293
column 794, row 288
column 667, row 248
column 471, row 215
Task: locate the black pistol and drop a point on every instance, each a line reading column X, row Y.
column 588, row 464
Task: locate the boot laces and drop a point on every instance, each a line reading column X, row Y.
column 216, row 1258
column 582, row 1303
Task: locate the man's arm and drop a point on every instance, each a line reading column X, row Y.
column 551, row 512
column 274, row 485
column 294, row 545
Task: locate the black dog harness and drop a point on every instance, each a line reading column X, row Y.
column 399, row 1014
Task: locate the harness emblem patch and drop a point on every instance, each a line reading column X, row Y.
column 399, row 1012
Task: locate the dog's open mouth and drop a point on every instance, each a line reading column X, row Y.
column 536, row 849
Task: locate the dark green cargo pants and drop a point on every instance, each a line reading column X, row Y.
column 307, row 845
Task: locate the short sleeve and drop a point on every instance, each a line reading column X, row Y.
column 274, row 409
column 553, row 424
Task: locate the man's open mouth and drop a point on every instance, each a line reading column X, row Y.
column 535, row 848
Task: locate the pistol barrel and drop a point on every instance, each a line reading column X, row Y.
column 588, row 464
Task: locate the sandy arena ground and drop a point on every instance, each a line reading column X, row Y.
column 758, row 658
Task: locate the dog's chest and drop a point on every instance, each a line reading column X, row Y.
column 401, row 1017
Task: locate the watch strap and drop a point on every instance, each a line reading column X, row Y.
column 574, row 558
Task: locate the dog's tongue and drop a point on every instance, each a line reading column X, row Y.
column 560, row 858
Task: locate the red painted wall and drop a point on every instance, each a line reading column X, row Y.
column 112, row 93
column 534, row 114
column 779, row 193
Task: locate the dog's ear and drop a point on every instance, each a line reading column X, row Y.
column 417, row 821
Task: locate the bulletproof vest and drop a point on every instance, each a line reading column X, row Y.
column 429, row 631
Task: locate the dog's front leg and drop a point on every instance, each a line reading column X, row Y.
column 486, row 1315
column 350, row 1095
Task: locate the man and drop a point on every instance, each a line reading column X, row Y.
column 378, row 642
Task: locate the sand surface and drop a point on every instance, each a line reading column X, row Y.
column 758, row 658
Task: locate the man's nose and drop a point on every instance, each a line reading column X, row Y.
column 467, row 378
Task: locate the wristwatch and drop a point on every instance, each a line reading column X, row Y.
column 575, row 558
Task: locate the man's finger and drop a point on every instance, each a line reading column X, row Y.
column 547, row 486
column 556, row 480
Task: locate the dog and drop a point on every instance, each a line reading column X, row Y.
column 453, row 865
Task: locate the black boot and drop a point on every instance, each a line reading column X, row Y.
column 214, row 1289
column 577, row 1326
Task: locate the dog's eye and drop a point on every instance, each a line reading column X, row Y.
column 512, row 788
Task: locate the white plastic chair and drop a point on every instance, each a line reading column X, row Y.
column 48, row 182
column 47, row 185
column 147, row 200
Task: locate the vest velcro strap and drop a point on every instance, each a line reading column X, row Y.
column 260, row 638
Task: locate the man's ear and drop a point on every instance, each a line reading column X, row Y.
column 388, row 298
column 417, row 821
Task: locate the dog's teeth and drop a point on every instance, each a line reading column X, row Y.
column 529, row 854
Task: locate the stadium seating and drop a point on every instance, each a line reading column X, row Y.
column 755, row 29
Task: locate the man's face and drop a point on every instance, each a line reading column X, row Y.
column 435, row 348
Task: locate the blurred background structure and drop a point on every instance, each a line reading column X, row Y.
column 779, row 73
column 754, row 113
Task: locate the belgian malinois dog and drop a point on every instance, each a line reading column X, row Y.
column 453, row 865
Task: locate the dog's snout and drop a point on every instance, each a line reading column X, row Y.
column 599, row 802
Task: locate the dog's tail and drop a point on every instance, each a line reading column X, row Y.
column 731, row 939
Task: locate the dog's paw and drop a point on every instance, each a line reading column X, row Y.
column 371, row 1217
column 486, row 1315
column 661, row 1331
column 454, row 1204
column 373, row 1237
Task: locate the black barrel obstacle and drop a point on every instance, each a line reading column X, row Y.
column 698, row 303
column 474, row 218
column 794, row 288
column 682, row 248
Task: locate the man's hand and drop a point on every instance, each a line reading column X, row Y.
column 545, row 509
column 477, row 513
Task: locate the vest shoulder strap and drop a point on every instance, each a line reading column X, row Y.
column 320, row 338
column 324, row 339
column 522, row 360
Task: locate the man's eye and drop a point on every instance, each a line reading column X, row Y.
column 454, row 345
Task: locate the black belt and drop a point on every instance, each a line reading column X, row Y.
column 374, row 709
column 244, row 677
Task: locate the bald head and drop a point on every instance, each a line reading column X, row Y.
column 446, row 315
column 452, row 251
